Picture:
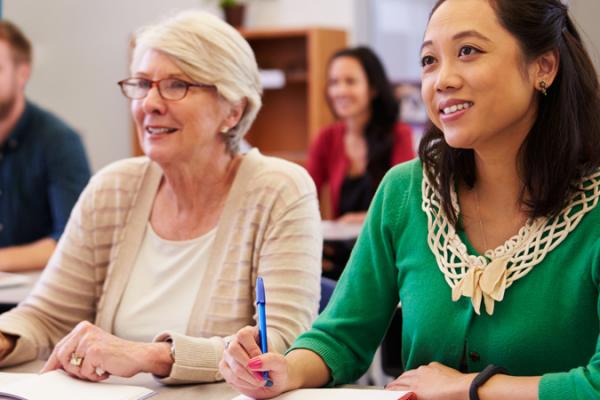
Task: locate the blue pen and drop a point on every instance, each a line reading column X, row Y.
column 262, row 323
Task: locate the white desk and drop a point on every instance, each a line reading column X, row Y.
column 13, row 295
column 334, row 230
column 209, row 391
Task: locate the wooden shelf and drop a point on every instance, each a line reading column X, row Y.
column 296, row 77
column 292, row 115
column 271, row 33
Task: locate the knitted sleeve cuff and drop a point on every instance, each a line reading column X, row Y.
column 24, row 351
column 196, row 359
column 556, row 386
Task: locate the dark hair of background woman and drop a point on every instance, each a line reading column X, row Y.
column 379, row 132
column 564, row 143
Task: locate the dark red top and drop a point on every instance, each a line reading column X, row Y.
column 327, row 161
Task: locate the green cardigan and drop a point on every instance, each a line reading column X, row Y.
column 547, row 324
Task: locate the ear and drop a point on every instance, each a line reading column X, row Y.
column 23, row 72
column 545, row 68
column 236, row 112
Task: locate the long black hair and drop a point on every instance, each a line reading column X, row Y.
column 379, row 131
column 563, row 144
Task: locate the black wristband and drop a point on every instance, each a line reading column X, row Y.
column 482, row 378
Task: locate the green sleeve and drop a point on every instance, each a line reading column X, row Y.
column 348, row 332
column 580, row 383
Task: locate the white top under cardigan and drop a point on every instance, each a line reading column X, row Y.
column 163, row 269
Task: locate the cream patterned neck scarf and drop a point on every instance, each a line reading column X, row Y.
column 487, row 278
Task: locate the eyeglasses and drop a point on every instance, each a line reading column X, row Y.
column 168, row 89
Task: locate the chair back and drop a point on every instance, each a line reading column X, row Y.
column 327, row 287
column 391, row 347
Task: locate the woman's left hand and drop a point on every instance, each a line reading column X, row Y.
column 90, row 353
column 434, row 382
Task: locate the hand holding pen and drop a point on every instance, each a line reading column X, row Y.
column 246, row 364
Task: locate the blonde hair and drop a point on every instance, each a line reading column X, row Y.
column 209, row 50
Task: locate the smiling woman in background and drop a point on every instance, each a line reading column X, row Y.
column 353, row 154
column 167, row 247
column 491, row 241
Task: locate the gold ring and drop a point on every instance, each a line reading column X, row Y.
column 75, row 360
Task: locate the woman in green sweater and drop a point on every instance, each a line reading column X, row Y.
column 491, row 242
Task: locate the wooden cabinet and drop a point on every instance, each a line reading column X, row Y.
column 291, row 115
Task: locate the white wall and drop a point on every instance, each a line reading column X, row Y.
column 586, row 14
column 396, row 33
column 300, row 13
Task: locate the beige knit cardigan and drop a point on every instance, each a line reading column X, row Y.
column 269, row 226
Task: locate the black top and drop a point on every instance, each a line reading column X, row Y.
column 356, row 194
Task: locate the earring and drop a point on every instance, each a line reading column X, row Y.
column 224, row 130
column 543, row 88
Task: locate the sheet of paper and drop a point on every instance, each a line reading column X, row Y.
column 57, row 385
column 8, row 279
column 336, row 394
column 11, row 377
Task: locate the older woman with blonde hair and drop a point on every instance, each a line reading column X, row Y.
column 158, row 261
